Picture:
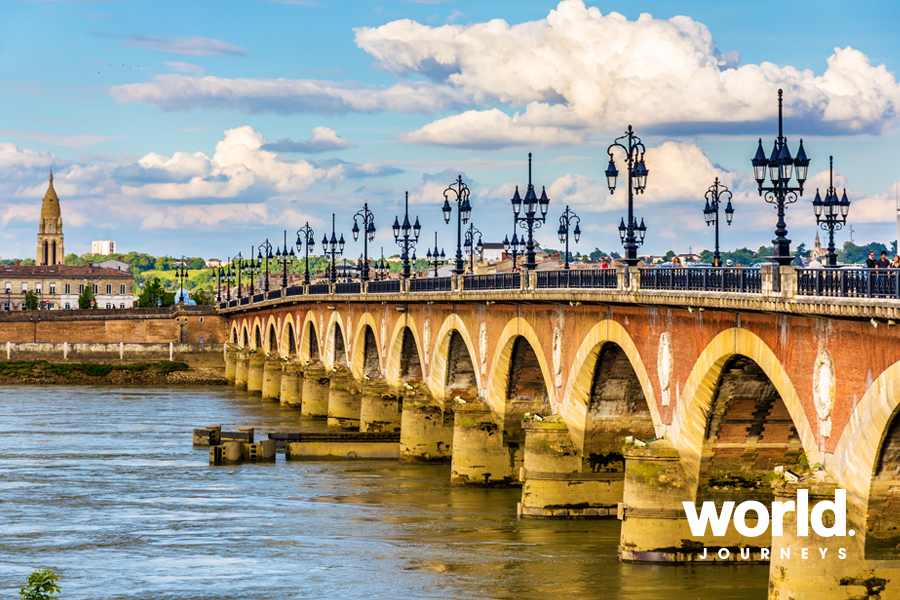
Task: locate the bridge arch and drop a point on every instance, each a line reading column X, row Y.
column 692, row 417
column 366, row 360
column 235, row 333
column 310, row 341
column 335, row 354
column 256, row 341
column 453, row 339
column 245, row 336
column 288, row 345
column 518, row 356
column 404, row 354
column 577, row 398
column 271, row 336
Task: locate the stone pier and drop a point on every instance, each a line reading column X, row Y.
column 291, row 385
column 380, row 407
column 316, row 383
column 426, row 429
column 231, row 355
column 241, row 369
column 344, row 400
column 255, row 373
column 271, row 387
column 479, row 454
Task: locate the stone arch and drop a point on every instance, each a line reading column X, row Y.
column 405, row 358
column 309, row 339
column 576, row 400
column 245, row 336
column 366, row 358
column 235, row 332
column 518, row 347
column 694, row 413
column 444, row 370
column 272, row 339
column 335, row 343
column 288, row 346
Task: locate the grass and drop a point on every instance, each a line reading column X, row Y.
column 169, row 275
column 38, row 368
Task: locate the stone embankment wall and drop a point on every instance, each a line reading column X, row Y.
column 206, row 356
column 178, row 324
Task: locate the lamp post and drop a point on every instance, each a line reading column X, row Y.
column 381, row 267
column 780, row 166
column 472, row 246
column 181, row 274
column 406, row 243
column 565, row 224
column 637, row 183
column 368, row 225
column 831, row 213
column 531, row 220
column 285, row 257
column 219, row 271
column 264, row 256
column 249, row 268
column 514, row 248
column 333, row 248
column 714, row 195
column 308, row 237
column 463, row 212
column 435, row 257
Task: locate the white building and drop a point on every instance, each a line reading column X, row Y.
column 118, row 265
column 104, row 247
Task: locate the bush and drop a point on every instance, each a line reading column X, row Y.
column 41, row 586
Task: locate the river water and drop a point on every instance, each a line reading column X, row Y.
column 103, row 486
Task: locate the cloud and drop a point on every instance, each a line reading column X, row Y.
column 68, row 141
column 183, row 67
column 187, row 45
column 13, row 160
column 649, row 72
column 284, row 96
column 322, row 139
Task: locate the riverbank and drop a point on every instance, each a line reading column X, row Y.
column 148, row 373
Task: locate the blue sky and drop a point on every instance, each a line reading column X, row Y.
column 202, row 129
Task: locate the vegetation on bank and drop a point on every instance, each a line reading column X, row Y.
column 41, row 368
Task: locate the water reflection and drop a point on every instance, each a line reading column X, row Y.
column 104, row 486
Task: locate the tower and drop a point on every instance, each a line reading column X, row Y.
column 50, row 235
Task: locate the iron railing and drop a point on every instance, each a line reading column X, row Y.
column 493, row 281
column 703, row 279
column 386, row 286
column 258, row 297
column 578, row 278
column 319, row 288
column 849, row 283
column 431, row 284
column 347, row 287
column 294, row 290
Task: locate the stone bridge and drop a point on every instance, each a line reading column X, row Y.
column 612, row 399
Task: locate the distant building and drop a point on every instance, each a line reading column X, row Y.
column 103, row 247
column 818, row 252
column 214, row 262
column 118, row 265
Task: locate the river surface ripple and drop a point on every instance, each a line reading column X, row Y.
column 103, row 486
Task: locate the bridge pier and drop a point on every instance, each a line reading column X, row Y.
column 255, row 373
column 479, row 455
column 231, row 355
column 654, row 524
column 379, row 407
column 315, row 392
column 554, row 483
column 271, row 387
column 291, row 385
column 344, row 401
column 426, row 429
column 241, row 368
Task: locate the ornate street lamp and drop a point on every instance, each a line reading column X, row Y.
column 780, row 166
column 407, row 244
column 531, row 220
column 514, row 248
column 285, row 258
column 435, row 257
column 264, row 257
column 381, row 267
column 333, row 248
column 565, row 223
column 181, row 274
column 831, row 213
column 714, row 195
column 236, row 272
column 368, row 222
column 250, row 267
column 463, row 212
column 308, row 238
column 219, row 270
column 637, row 183
column 472, row 246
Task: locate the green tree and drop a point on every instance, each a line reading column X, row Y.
column 154, row 294
column 197, row 263
column 41, row 586
column 31, row 300
column 85, row 298
column 73, row 260
column 165, row 263
column 670, row 255
column 203, row 297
